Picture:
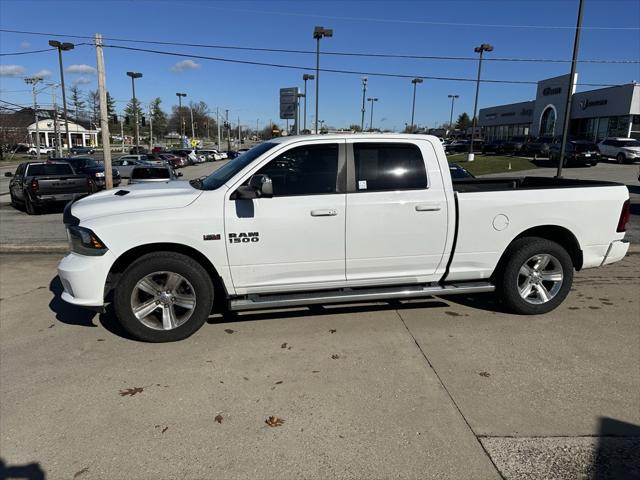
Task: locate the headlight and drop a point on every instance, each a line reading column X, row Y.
column 84, row 242
column 99, row 174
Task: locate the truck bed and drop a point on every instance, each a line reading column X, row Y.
column 523, row 183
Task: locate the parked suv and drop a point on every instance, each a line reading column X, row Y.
column 92, row 168
column 577, row 152
column 622, row 149
column 538, row 147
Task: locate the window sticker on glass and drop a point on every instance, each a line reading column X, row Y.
column 362, row 184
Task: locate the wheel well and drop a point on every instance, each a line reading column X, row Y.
column 130, row 256
column 557, row 234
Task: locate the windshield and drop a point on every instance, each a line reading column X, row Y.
column 89, row 162
column 224, row 173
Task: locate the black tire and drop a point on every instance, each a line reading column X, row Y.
column 29, row 207
column 192, row 271
column 620, row 158
column 508, row 276
column 14, row 202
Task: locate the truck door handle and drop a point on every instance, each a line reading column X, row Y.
column 427, row 208
column 330, row 212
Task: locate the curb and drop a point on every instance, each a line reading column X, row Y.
column 34, row 248
column 64, row 248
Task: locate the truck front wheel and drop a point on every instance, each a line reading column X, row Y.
column 536, row 276
column 163, row 297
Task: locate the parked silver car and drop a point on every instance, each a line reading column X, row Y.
column 127, row 163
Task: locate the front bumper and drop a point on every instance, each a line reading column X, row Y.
column 83, row 278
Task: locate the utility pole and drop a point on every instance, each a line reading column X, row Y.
column 572, row 86
column 180, row 95
column 364, row 93
column 453, row 99
column 150, row 129
column 193, row 132
column 33, row 81
column 218, row 125
column 56, row 130
column 239, row 133
column 372, row 99
column 228, row 128
column 415, row 82
column 104, row 115
column 122, row 132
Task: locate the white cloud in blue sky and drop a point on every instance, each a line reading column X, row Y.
column 11, row 70
column 185, row 65
column 81, row 69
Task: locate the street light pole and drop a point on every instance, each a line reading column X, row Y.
column 193, row 131
column 364, row 93
column 415, row 82
column 567, row 110
column 228, row 128
column 453, row 99
column 371, row 99
column 485, row 47
column 318, row 33
column 133, row 76
column 66, row 46
column 306, row 77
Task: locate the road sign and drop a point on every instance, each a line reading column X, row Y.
column 288, row 100
column 194, row 142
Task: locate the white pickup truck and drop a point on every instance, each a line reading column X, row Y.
column 328, row 219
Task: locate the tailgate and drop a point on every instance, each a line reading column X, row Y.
column 68, row 184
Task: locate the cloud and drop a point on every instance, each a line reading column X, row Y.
column 11, row 70
column 44, row 73
column 82, row 81
column 185, row 65
column 83, row 69
column 25, row 45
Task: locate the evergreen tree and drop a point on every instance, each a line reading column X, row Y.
column 77, row 101
column 463, row 122
column 111, row 106
column 94, row 106
column 130, row 113
column 159, row 117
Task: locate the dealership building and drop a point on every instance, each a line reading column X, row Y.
column 595, row 114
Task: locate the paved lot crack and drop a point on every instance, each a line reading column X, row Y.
column 23, row 293
column 426, row 358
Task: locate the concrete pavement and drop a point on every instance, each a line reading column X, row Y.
column 445, row 388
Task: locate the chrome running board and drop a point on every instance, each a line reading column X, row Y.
column 344, row 295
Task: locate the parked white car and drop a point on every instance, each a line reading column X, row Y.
column 622, row 149
column 43, row 150
column 329, row 219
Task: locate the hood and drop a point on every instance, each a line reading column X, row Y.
column 140, row 197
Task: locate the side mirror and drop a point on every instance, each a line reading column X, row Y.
column 8, row 174
column 259, row 186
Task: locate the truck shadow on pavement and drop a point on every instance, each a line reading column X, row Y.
column 30, row 471
column 616, row 454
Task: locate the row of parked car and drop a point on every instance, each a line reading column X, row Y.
column 622, row 150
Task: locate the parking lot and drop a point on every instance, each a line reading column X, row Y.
column 439, row 388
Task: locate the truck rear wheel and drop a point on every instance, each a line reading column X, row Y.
column 29, row 206
column 536, row 276
column 163, row 297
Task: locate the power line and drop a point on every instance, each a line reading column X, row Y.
column 330, row 70
column 332, row 53
column 26, row 53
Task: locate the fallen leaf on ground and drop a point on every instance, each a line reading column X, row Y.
column 284, row 345
column 335, row 356
column 278, row 382
column 274, row 421
column 229, row 331
column 130, row 391
column 484, row 374
column 333, row 330
column 218, row 418
column 315, row 371
column 165, row 429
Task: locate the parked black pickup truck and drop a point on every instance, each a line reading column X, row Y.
column 36, row 184
column 92, row 168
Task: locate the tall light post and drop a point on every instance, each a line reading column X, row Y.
column 371, row 99
column 133, row 76
column 453, row 99
column 300, row 95
column 180, row 95
column 306, row 77
column 33, row 81
column 415, row 82
column 63, row 47
column 318, row 33
column 485, row 47
column 364, row 94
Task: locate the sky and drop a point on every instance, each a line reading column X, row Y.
column 517, row 29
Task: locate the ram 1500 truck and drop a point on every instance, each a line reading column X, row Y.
column 328, row 219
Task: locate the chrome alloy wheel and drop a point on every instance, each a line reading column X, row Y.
column 540, row 278
column 163, row 300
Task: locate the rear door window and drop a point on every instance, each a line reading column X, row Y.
column 50, row 169
column 388, row 166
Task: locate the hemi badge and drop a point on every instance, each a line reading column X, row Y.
column 211, row 236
